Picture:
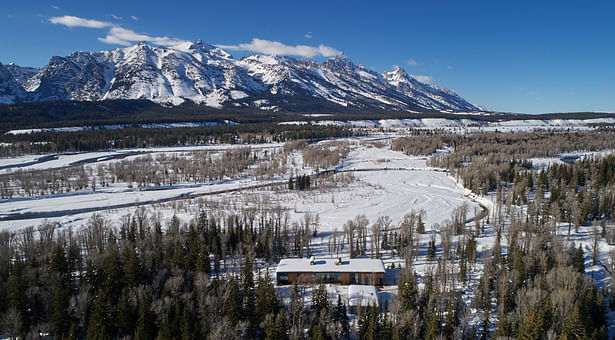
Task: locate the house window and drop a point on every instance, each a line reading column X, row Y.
column 327, row 277
column 283, row 278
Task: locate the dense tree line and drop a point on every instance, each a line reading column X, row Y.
column 325, row 156
column 485, row 160
column 80, row 113
column 44, row 182
column 194, row 280
column 143, row 171
column 301, row 183
column 101, row 139
column 536, row 288
column 195, row 167
column 421, row 144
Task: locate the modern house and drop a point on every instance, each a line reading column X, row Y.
column 334, row 271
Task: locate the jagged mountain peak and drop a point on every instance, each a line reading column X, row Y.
column 397, row 75
column 339, row 63
column 21, row 73
column 208, row 75
column 10, row 90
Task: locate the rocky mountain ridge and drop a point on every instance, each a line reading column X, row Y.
column 207, row 75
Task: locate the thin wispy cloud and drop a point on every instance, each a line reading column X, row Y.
column 122, row 36
column 54, row 6
column 72, row 21
column 278, row 48
column 134, row 18
column 424, row 79
column 116, row 17
column 117, row 35
column 308, row 35
column 449, row 67
column 412, row 62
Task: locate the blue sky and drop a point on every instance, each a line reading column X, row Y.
column 512, row 56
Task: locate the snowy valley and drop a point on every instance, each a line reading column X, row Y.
column 443, row 216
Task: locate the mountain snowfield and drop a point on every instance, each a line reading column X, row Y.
column 205, row 74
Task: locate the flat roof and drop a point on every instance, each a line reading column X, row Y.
column 322, row 265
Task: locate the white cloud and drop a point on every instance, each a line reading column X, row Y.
column 134, row 18
column 424, row 79
column 116, row 17
column 122, row 36
column 114, row 40
column 117, row 35
column 72, row 21
column 54, row 6
column 277, row 48
column 412, row 62
column 308, row 35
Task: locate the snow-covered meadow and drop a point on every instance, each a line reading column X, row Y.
column 385, row 183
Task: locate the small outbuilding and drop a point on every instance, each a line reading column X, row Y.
column 357, row 271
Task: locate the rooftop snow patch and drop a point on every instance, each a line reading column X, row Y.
column 331, row 266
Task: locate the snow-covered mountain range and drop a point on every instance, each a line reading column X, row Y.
column 205, row 74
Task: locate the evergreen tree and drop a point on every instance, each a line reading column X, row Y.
column 275, row 326
column 266, row 301
column 296, row 313
column 189, row 325
column 369, row 324
column 59, row 265
column 386, row 328
column 574, row 328
column 450, row 324
column 144, row 328
column 484, row 331
column 505, row 328
column 300, row 185
column 60, row 317
column 431, row 250
column 247, row 294
column 463, row 269
column 233, row 302
column 579, row 260
column 408, row 292
column 317, row 331
column 341, row 317
column 432, row 332
column 97, row 325
column 126, row 314
column 320, row 299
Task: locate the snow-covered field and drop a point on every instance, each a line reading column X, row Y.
column 394, row 185
column 385, row 192
column 543, row 162
column 40, row 162
column 469, row 125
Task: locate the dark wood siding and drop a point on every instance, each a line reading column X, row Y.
column 374, row 279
